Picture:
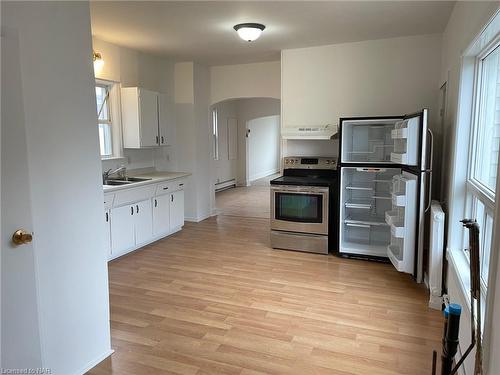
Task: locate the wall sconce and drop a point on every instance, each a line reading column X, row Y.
column 98, row 61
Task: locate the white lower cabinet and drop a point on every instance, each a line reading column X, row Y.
column 143, row 222
column 161, row 215
column 122, row 230
column 135, row 224
column 176, row 210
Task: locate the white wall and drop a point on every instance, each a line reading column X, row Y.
column 466, row 21
column 378, row 77
column 58, row 102
column 311, row 147
column 249, row 109
column 133, row 68
column 245, row 81
column 263, row 146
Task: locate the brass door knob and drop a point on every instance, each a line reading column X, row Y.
column 21, row 237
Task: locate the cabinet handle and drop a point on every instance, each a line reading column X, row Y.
column 165, row 188
column 107, row 217
column 157, row 140
column 181, row 185
column 137, row 208
column 162, row 139
column 171, row 198
column 156, row 203
column 131, row 210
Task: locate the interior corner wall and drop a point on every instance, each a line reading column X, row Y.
column 134, row 68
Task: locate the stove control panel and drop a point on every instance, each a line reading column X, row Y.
column 303, row 162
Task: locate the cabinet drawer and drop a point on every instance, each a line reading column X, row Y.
column 164, row 188
column 133, row 195
column 108, row 200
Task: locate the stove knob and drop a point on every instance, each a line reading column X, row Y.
column 328, row 162
column 286, row 161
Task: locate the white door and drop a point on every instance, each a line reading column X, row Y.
column 20, row 338
column 161, row 215
column 166, row 120
column 143, row 218
column 148, row 114
column 176, row 209
column 107, row 237
column 122, row 227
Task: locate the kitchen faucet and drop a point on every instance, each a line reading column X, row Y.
column 109, row 172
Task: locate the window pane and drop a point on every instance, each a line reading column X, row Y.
column 105, row 141
column 486, row 248
column 101, row 94
column 488, row 131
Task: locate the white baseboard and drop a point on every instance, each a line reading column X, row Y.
column 198, row 218
column 263, row 174
column 89, row 366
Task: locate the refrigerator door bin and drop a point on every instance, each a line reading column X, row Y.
column 398, row 229
column 398, row 200
column 367, row 141
column 406, row 136
column 402, row 261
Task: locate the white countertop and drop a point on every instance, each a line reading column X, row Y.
column 155, row 177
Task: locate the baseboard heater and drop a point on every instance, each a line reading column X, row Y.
column 436, row 255
column 219, row 186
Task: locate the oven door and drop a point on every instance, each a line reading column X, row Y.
column 301, row 209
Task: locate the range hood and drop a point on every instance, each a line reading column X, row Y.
column 310, row 132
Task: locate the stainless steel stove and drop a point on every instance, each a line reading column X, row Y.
column 302, row 203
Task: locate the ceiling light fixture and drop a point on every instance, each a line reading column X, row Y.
column 249, row 31
column 98, row 61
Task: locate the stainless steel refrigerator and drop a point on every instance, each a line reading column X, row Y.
column 385, row 178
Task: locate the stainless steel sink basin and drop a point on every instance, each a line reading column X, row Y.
column 129, row 179
column 117, row 181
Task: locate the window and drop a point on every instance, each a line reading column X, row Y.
column 484, row 151
column 104, row 120
column 215, row 134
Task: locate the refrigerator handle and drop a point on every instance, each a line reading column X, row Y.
column 429, row 170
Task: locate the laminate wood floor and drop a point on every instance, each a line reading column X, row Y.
column 216, row 299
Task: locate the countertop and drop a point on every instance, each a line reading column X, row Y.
column 154, row 176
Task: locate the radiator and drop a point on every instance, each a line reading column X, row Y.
column 436, row 254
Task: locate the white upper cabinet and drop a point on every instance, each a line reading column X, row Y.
column 147, row 118
column 166, row 120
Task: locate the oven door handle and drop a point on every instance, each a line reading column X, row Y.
column 299, row 189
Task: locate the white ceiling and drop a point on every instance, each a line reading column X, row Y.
column 202, row 31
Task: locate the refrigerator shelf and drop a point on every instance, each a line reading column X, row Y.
column 371, row 249
column 399, row 200
column 399, row 133
column 370, row 222
column 358, row 188
column 359, row 204
column 398, row 229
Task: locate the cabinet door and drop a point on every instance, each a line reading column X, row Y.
column 148, row 114
column 176, row 210
column 122, row 229
column 161, row 215
column 166, row 120
column 143, row 217
column 107, row 237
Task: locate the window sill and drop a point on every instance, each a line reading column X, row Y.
column 458, row 261
column 113, row 158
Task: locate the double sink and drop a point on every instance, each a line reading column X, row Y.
column 117, row 181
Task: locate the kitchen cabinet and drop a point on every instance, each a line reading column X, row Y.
column 143, row 222
column 161, row 215
column 147, row 118
column 122, row 230
column 166, row 120
column 177, row 209
column 140, row 215
column 107, row 231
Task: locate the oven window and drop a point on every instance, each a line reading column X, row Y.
column 303, row 208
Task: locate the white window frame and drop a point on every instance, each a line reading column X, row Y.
column 475, row 189
column 114, row 104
